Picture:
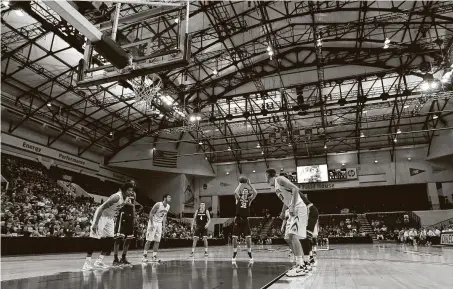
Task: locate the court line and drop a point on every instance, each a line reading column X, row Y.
column 275, row 280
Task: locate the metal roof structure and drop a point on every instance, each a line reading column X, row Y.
column 266, row 79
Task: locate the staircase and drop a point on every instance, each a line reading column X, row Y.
column 265, row 228
column 366, row 225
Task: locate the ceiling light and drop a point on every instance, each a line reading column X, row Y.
column 398, row 131
column 200, row 142
column 376, row 161
column 395, row 140
column 269, row 48
column 386, row 46
column 177, row 20
column 262, row 152
column 229, row 148
column 409, row 158
column 343, row 164
column 319, row 42
column 258, row 146
column 49, row 104
column 365, row 111
column 19, row 13
column 362, row 134
column 254, row 171
column 206, row 158
column 281, row 169
column 215, row 72
column 387, row 41
column 290, row 145
column 227, row 173
column 435, row 116
column 325, row 146
column 111, row 133
column 425, row 85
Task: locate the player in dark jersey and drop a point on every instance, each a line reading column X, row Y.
column 124, row 228
column 201, row 220
column 241, row 222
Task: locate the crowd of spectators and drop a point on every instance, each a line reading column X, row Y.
column 340, row 226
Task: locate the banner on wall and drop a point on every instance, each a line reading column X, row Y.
column 189, row 199
column 41, row 150
column 317, row 186
column 414, row 172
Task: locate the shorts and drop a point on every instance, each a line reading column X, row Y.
column 313, row 215
column 154, row 233
column 200, row 232
column 298, row 222
column 106, row 226
column 124, row 226
column 241, row 226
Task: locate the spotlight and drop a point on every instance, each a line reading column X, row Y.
column 362, row 134
column 229, row 148
column 206, row 158
column 177, row 20
column 269, row 48
column 409, row 158
column 49, row 104
column 319, row 42
column 254, row 171
column 325, row 146
column 425, row 85
column 258, row 146
column 343, row 164
column 215, row 72
column 376, row 161
column 387, row 41
column 281, row 169
column 398, row 131
column 435, row 116
column 111, row 133
column 395, row 140
column 200, row 142
column 262, row 152
column 227, row 173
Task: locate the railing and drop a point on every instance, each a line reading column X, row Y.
column 441, row 224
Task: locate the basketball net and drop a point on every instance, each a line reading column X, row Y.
column 146, row 88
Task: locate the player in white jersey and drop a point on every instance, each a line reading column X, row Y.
column 103, row 224
column 297, row 222
column 156, row 226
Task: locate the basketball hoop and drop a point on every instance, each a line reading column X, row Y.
column 146, row 88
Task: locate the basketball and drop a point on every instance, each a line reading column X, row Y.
column 243, row 180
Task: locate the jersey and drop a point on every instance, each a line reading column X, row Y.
column 201, row 219
column 286, row 195
column 113, row 210
column 243, row 207
column 161, row 212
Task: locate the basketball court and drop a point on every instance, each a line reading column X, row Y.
column 343, row 266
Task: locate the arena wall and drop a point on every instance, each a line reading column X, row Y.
column 140, row 156
column 428, row 218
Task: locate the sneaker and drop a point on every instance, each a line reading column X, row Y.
column 297, row 271
column 154, row 259
column 307, row 266
column 87, row 266
column 206, row 254
column 191, row 255
column 116, row 263
column 312, row 262
column 100, row 265
column 233, row 260
column 145, row 259
column 124, row 262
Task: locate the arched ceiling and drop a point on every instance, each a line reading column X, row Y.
column 350, row 93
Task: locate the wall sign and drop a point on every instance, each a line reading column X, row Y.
column 317, row 186
column 414, row 172
column 446, row 238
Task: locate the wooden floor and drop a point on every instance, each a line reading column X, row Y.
column 344, row 266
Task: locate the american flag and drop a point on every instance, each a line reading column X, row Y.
column 165, row 159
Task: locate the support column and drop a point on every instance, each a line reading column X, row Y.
column 447, row 191
column 215, row 206
column 433, row 196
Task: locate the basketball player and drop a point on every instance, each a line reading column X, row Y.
column 156, row 226
column 312, row 230
column 289, row 194
column 241, row 222
column 124, row 228
column 103, row 224
column 201, row 220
